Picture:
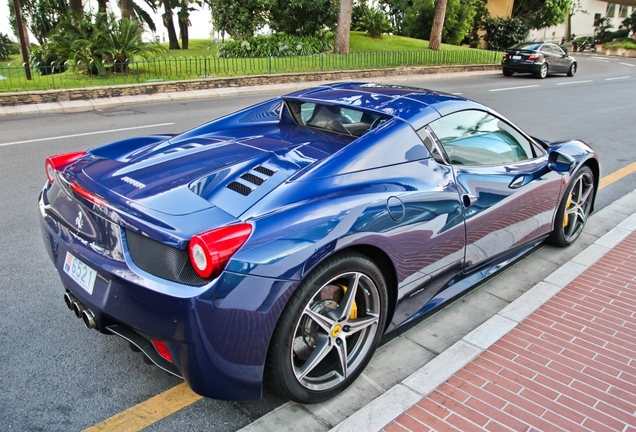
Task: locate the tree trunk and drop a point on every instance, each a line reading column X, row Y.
column 438, row 25
column 341, row 44
column 183, row 24
column 125, row 5
column 76, row 7
column 169, row 24
column 183, row 32
column 102, row 6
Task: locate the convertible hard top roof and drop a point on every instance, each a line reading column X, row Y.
column 414, row 105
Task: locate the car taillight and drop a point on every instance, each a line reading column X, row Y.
column 59, row 162
column 210, row 251
column 534, row 56
column 86, row 194
column 505, row 56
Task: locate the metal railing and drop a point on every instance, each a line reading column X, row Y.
column 77, row 75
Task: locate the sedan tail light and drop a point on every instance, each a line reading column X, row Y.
column 505, row 56
column 59, row 162
column 534, row 56
column 210, row 251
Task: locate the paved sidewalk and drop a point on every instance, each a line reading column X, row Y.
column 570, row 365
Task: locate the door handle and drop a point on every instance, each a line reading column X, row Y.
column 519, row 181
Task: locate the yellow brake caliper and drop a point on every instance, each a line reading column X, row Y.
column 566, row 217
column 354, row 309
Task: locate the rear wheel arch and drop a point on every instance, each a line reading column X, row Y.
column 379, row 258
column 386, row 266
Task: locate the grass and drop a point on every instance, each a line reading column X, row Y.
column 360, row 42
column 200, row 61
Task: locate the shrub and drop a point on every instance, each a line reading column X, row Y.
column 601, row 29
column 7, row 47
column 502, row 33
column 418, row 20
column 46, row 65
column 100, row 41
column 375, row 23
column 302, row 17
column 277, row 45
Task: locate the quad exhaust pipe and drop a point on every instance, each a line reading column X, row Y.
column 81, row 311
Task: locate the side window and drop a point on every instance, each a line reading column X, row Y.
column 478, row 138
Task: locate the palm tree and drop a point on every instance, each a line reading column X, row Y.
column 168, row 6
column 184, row 22
column 76, row 7
column 126, row 8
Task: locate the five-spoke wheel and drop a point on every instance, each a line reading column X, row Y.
column 575, row 208
column 329, row 329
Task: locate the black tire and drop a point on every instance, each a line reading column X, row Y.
column 572, row 69
column 507, row 72
column 543, row 72
column 329, row 330
column 574, row 208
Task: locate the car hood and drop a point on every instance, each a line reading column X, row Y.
column 182, row 175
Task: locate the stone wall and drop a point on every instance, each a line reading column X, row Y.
column 47, row 96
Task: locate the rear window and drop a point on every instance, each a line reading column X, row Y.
column 526, row 46
column 335, row 118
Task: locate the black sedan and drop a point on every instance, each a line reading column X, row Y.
column 539, row 59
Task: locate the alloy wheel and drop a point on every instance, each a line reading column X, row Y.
column 335, row 331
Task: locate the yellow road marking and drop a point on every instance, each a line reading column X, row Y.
column 148, row 412
column 161, row 406
column 617, row 175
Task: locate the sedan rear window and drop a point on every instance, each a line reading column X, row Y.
column 526, row 46
column 335, row 118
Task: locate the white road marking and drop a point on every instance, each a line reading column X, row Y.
column 627, row 64
column 573, row 82
column 457, row 94
column 84, row 134
column 599, row 60
column 513, row 88
column 617, row 78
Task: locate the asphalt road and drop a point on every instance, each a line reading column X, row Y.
column 60, row 376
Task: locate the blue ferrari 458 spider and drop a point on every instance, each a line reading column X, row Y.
column 279, row 243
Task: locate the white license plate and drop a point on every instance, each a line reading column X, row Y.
column 516, row 57
column 80, row 272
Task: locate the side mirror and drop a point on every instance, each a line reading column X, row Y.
column 560, row 162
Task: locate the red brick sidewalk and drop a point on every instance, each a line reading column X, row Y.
column 571, row 365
